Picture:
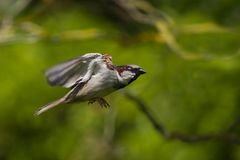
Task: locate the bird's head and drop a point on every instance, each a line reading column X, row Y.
column 129, row 73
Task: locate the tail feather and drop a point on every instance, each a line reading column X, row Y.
column 49, row 106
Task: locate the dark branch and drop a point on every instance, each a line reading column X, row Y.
column 225, row 136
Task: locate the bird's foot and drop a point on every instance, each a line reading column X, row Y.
column 102, row 102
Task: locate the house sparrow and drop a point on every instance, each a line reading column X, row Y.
column 90, row 77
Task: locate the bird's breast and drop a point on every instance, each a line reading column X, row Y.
column 100, row 85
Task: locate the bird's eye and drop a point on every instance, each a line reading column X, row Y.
column 136, row 70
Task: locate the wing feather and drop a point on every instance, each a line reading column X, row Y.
column 68, row 73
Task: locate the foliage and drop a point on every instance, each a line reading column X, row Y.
column 191, row 55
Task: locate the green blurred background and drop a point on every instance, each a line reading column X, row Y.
column 190, row 50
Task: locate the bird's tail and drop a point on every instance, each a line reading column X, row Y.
column 49, row 106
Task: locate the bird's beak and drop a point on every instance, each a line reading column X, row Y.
column 141, row 71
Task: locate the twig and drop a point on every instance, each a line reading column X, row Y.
column 141, row 105
column 225, row 136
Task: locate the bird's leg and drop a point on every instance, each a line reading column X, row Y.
column 102, row 102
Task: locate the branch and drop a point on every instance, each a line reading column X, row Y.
column 225, row 136
column 142, row 11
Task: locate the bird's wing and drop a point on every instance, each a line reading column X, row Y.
column 68, row 73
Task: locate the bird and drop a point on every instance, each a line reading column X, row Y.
column 89, row 77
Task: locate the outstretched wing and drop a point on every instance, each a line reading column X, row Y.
column 68, row 73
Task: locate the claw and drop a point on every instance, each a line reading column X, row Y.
column 102, row 102
column 91, row 101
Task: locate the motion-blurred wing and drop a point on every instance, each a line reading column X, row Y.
column 68, row 73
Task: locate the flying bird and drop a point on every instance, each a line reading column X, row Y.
column 89, row 77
